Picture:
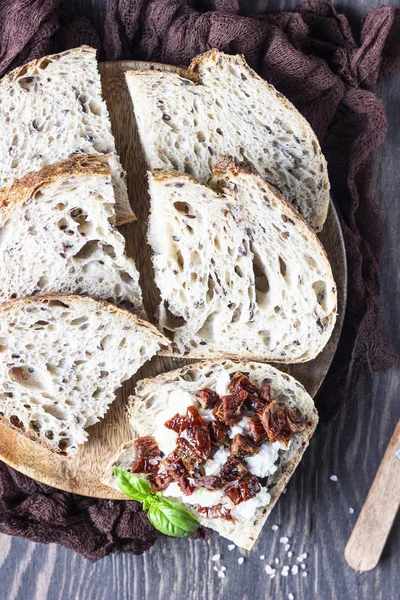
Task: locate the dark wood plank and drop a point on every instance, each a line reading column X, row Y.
column 314, row 512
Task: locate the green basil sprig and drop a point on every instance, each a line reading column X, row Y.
column 165, row 515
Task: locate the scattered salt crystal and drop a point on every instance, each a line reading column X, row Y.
column 283, row 540
column 290, row 554
column 215, row 568
column 269, row 570
column 287, row 546
column 277, row 561
column 223, row 568
column 262, row 556
column 333, row 478
column 284, row 491
column 275, row 527
column 304, row 573
column 153, row 461
column 290, row 596
column 231, row 547
column 272, row 575
column 302, row 566
column 285, row 571
column 216, row 557
column 295, row 570
column 302, row 557
column 241, row 560
column 397, row 453
column 351, row 510
column 221, row 574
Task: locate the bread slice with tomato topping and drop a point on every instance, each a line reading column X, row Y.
column 229, row 482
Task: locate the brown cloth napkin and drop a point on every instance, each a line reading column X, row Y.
column 311, row 55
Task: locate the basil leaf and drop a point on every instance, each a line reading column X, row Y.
column 171, row 518
column 132, row 485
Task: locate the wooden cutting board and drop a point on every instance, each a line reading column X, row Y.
column 81, row 473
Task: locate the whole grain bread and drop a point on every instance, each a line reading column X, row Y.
column 57, row 235
column 62, row 358
column 223, row 107
column 152, row 396
column 240, row 273
column 50, row 109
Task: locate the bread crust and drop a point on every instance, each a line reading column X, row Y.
column 247, row 535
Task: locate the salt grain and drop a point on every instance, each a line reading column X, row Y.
column 216, row 557
column 283, row 540
column 351, row 510
column 277, row 561
column 275, row 527
column 287, row 546
column 215, row 568
column 262, row 556
column 397, row 453
column 241, row 560
column 302, row 557
column 290, row 554
column 304, row 574
column 231, row 547
column 284, row 491
column 333, row 478
column 285, row 571
column 221, row 574
column 223, row 568
column 302, row 566
column 290, row 596
column 295, row 570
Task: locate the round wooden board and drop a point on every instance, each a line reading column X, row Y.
column 80, row 474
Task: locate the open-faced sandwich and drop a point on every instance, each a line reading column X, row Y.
column 220, row 438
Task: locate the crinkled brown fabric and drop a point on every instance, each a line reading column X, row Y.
column 312, row 56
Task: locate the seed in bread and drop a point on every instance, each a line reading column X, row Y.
column 51, row 109
column 223, row 107
column 57, row 235
column 62, row 358
column 240, row 273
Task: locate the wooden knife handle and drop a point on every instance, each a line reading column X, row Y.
column 366, row 543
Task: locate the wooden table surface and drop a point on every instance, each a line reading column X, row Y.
column 315, row 511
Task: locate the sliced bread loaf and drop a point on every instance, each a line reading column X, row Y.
column 224, row 107
column 52, row 108
column 159, row 399
column 57, row 235
column 240, row 272
column 62, row 358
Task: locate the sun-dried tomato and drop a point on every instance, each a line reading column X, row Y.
column 242, row 382
column 242, row 446
column 265, row 393
column 218, row 433
column 207, row 398
column 256, row 431
column 232, row 469
column 209, row 482
column 175, row 423
column 160, row 481
column 147, row 455
column 190, row 459
column 229, row 409
column 281, row 424
column 177, row 470
column 254, row 403
column 194, row 431
column 295, row 420
column 219, row 511
column 243, row 489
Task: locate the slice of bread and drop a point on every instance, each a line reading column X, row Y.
column 240, row 272
column 154, row 395
column 62, row 358
column 57, row 235
column 52, row 108
column 224, row 107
